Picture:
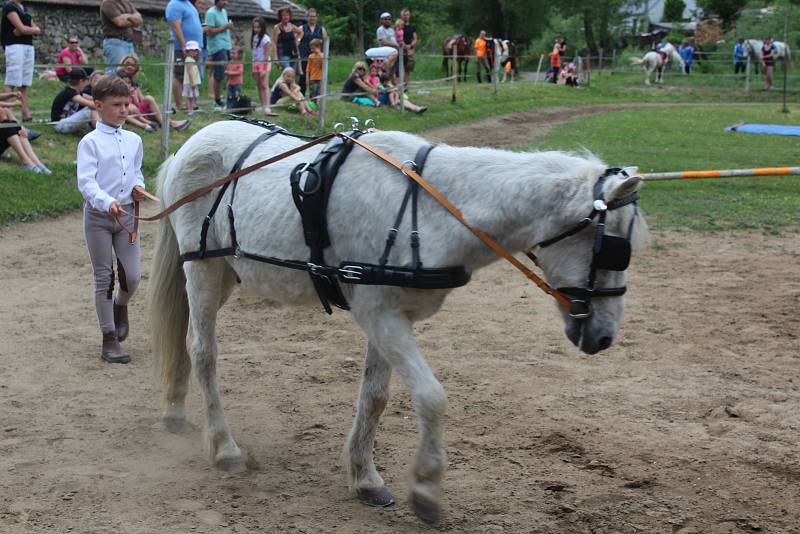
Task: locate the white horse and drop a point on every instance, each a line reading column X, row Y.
column 519, row 198
column 753, row 48
column 653, row 61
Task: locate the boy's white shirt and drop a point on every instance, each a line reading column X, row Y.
column 109, row 166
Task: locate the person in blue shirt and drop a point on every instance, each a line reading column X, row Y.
column 739, row 57
column 686, row 52
column 184, row 22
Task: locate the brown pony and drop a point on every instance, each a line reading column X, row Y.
column 463, row 49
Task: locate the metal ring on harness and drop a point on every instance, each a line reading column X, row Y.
column 338, row 127
column 306, row 167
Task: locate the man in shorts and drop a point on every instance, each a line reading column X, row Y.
column 184, row 21
column 218, row 32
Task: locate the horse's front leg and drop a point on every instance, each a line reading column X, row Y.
column 372, row 398
column 393, row 336
column 206, row 288
column 647, row 74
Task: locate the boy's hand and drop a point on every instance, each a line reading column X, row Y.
column 115, row 210
column 138, row 194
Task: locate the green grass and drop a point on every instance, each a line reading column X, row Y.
column 693, row 138
column 678, row 139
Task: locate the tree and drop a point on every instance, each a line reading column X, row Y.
column 673, row 10
column 727, row 10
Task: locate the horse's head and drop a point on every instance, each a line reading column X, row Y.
column 589, row 266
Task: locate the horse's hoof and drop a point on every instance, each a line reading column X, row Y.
column 426, row 508
column 231, row 464
column 378, row 497
column 178, row 425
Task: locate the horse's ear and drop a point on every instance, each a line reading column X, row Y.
column 625, row 187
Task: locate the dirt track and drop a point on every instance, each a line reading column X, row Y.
column 688, row 424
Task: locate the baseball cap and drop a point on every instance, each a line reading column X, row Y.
column 192, row 45
column 386, row 15
column 77, row 74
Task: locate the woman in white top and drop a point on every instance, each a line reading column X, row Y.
column 261, row 64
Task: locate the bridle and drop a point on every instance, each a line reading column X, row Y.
column 609, row 253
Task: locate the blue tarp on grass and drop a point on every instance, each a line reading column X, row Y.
column 771, row 129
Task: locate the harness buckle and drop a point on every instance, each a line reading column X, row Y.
column 237, row 252
column 351, row 272
column 580, row 309
column 600, row 205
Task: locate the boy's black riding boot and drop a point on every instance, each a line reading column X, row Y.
column 112, row 350
column 121, row 321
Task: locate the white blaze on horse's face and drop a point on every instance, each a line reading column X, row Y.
column 567, row 264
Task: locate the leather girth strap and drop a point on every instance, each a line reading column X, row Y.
column 311, row 199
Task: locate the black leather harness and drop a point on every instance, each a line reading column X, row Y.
column 311, row 199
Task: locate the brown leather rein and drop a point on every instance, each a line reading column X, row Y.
column 562, row 299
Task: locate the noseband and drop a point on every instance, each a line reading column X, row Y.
column 609, row 253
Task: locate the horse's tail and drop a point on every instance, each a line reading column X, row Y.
column 168, row 306
column 637, row 60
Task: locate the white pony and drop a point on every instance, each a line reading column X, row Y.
column 753, row 49
column 519, row 198
column 652, row 61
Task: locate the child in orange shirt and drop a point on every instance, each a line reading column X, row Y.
column 314, row 69
column 235, row 72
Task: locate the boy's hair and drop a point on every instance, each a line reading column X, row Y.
column 315, row 43
column 109, row 86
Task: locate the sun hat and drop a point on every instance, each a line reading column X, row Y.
column 192, row 45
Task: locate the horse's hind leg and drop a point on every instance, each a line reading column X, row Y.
column 393, row 336
column 208, row 284
column 372, row 398
column 176, row 388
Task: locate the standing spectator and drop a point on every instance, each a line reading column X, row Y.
column 686, row 51
column 555, row 60
column 285, row 35
column 768, row 60
column 235, row 73
column 739, row 57
column 71, row 55
column 314, row 68
column 481, row 61
column 119, row 18
column 311, row 30
column 387, row 40
column 72, row 111
column 191, row 76
column 218, row 31
column 409, row 42
column 184, row 21
column 262, row 65
column 16, row 34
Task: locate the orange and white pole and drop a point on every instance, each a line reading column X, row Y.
column 694, row 175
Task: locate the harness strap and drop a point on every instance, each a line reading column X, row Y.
column 236, row 166
column 562, row 299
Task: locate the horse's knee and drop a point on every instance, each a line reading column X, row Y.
column 431, row 403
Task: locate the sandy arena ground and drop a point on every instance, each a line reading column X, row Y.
column 689, row 424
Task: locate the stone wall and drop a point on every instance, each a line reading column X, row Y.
column 60, row 22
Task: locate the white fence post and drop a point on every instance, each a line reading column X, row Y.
column 323, row 94
column 166, row 105
column 402, row 77
column 747, row 76
column 538, row 70
column 454, row 73
column 496, row 65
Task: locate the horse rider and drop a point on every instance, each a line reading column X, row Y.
column 658, row 48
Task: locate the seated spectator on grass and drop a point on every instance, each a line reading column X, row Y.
column 286, row 92
column 146, row 108
column 15, row 136
column 71, row 55
column 388, row 94
column 71, row 110
column 357, row 88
